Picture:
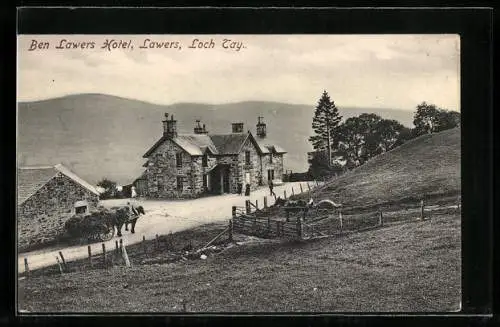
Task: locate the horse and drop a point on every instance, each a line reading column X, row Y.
column 121, row 216
column 137, row 211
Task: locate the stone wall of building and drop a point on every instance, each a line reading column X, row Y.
column 198, row 171
column 255, row 165
column 234, row 171
column 41, row 218
column 162, row 172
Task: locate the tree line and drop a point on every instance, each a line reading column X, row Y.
column 342, row 145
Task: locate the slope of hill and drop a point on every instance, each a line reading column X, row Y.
column 426, row 166
column 100, row 135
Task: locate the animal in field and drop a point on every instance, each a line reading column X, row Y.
column 292, row 206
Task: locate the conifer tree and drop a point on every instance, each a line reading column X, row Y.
column 326, row 118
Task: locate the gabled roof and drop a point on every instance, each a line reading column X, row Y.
column 229, row 143
column 31, row 179
column 193, row 144
column 218, row 144
column 276, row 149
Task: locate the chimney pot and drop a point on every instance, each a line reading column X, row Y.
column 237, row 127
column 261, row 127
column 169, row 127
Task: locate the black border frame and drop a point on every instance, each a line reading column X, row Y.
column 475, row 26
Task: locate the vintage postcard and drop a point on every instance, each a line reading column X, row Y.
column 238, row 173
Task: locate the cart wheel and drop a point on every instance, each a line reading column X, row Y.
column 106, row 233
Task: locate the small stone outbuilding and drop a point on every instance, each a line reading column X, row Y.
column 46, row 198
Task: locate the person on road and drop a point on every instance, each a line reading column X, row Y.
column 271, row 186
column 131, row 208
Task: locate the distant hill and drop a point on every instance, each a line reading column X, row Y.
column 100, row 135
column 428, row 165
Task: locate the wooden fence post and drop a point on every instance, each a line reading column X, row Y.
column 26, row 267
column 59, row 264
column 293, row 193
column 230, row 230
column 308, row 187
column 265, row 201
column 90, row 255
column 256, row 204
column 233, row 211
column 247, row 207
column 63, row 261
column 121, row 244
column 340, row 218
column 116, row 245
column 125, row 256
column 144, row 244
column 284, row 194
column 422, row 210
column 301, row 190
column 104, row 254
column 300, row 231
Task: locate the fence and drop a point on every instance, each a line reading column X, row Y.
column 306, row 223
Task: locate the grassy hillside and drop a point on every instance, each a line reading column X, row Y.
column 100, row 135
column 428, row 165
column 411, row 267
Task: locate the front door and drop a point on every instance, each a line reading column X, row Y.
column 270, row 174
column 225, row 180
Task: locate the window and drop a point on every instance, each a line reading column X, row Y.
column 270, row 157
column 178, row 159
column 205, row 181
column 81, row 209
column 247, row 157
column 204, row 160
column 180, row 181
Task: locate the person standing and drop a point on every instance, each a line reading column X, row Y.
column 271, row 186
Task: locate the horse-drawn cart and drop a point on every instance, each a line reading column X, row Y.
column 95, row 226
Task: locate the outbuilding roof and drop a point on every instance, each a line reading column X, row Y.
column 31, row 179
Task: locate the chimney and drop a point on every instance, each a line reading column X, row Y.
column 169, row 127
column 198, row 129
column 261, row 128
column 237, row 127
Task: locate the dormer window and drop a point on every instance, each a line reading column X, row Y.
column 178, row 159
column 247, row 157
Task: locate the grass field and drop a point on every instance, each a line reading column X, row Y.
column 428, row 166
column 407, row 267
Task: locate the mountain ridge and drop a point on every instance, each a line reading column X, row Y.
column 99, row 135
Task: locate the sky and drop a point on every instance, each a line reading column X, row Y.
column 376, row 71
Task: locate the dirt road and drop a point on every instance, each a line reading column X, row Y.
column 162, row 217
